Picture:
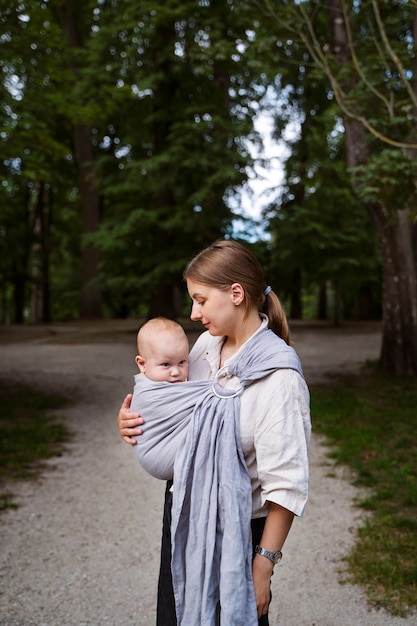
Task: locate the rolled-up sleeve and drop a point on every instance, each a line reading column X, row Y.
column 276, row 433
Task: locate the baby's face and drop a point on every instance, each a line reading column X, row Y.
column 165, row 360
column 171, row 370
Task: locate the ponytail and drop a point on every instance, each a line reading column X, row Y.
column 276, row 315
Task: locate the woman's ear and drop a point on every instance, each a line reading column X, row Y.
column 238, row 293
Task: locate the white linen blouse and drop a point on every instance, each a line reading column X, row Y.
column 275, row 428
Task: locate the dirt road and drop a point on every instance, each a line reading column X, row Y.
column 83, row 546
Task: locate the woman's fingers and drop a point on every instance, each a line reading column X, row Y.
column 128, row 423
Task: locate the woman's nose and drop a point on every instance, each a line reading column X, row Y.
column 195, row 313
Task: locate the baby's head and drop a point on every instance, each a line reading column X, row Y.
column 163, row 350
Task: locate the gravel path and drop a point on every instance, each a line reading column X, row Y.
column 83, row 546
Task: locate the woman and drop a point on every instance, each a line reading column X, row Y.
column 232, row 301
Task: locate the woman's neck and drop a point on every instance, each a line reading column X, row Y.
column 244, row 331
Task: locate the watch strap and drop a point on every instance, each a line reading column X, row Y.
column 275, row 557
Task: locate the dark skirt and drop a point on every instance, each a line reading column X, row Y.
column 165, row 614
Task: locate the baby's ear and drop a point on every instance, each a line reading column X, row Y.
column 140, row 363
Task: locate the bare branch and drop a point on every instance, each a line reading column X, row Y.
column 358, row 67
column 393, row 55
column 319, row 57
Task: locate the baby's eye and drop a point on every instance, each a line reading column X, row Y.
column 184, row 362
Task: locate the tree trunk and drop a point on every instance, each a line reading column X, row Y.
column 91, row 301
column 296, row 306
column 19, row 289
column 40, row 304
column 336, row 304
column 45, row 256
column 364, row 308
column 36, row 255
column 21, row 265
column 399, row 302
column 166, row 302
column 90, row 305
column 395, row 233
column 322, row 302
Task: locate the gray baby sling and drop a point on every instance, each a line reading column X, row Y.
column 192, row 433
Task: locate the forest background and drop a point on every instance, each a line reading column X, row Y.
column 127, row 133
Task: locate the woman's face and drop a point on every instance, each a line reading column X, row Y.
column 215, row 308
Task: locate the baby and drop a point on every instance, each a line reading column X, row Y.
column 162, row 358
column 163, row 351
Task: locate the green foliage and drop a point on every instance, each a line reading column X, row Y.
column 388, row 176
column 36, row 139
column 167, row 95
column 29, row 431
column 168, row 92
column 370, row 425
column 6, row 501
column 319, row 230
column 193, row 98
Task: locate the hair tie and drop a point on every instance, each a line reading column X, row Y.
column 267, row 290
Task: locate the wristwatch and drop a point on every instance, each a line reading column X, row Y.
column 275, row 557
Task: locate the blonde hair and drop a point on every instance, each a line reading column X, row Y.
column 153, row 325
column 226, row 262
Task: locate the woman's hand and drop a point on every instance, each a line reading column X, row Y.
column 262, row 570
column 128, row 422
column 277, row 526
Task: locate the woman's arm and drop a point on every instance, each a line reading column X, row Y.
column 128, row 423
column 277, row 527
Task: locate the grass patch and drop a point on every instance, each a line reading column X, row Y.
column 29, row 433
column 370, row 423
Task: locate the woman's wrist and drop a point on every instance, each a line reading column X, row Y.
column 274, row 556
column 262, row 568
